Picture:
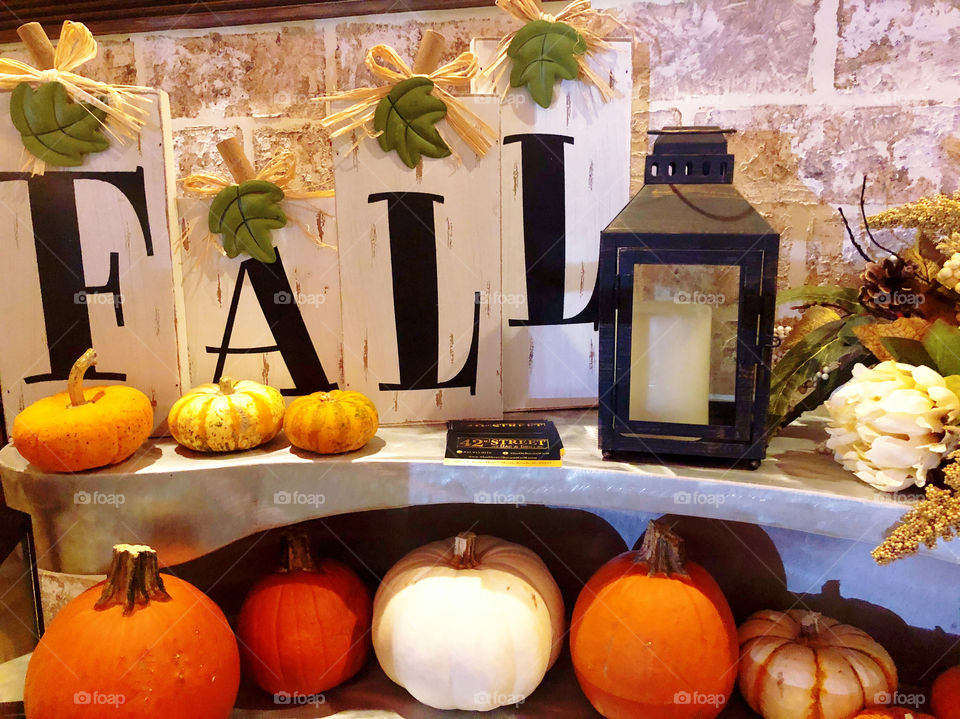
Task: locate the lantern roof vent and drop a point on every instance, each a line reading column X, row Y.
column 689, row 156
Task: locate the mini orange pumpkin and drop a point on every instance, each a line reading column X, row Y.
column 653, row 636
column 138, row 646
column 945, row 695
column 305, row 629
column 892, row 713
column 331, row 422
column 83, row 428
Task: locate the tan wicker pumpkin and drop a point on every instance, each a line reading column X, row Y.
column 227, row 416
column 800, row 664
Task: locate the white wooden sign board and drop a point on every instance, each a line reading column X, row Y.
column 577, row 153
column 87, row 262
column 278, row 324
column 420, row 271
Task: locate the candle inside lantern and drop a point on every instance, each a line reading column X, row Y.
column 670, row 362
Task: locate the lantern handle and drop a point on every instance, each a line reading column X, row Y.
column 692, row 131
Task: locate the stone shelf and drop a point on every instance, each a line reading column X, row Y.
column 187, row 504
column 370, row 695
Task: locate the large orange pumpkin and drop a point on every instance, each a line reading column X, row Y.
column 138, row 646
column 653, row 636
column 892, row 713
column 945, row 695
column 83, row 428
column 305, row 629
column 331, row 422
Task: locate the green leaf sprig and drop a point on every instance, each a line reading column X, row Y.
column 544, row 52
column 243, row 215
column 55, row 129
column 406, row 120
column 939, row 350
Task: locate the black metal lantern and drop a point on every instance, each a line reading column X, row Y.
column 687, row 281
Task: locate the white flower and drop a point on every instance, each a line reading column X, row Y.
column 892, row 424
column 949, row 275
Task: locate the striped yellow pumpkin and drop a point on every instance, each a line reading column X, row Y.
column 331, row 422
column 227, row 416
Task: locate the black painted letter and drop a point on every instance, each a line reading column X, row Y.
column 545, row 231
column 413, row 254
column 280, row 309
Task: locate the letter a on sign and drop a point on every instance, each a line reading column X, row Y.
column 87, row 263
column 565, row 173
column 420, row 273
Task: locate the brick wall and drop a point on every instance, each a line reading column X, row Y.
column 822, row 91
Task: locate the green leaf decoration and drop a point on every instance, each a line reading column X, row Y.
column 824, row 388
column 943, row 345
column 908, row 351
column 843, row 297
column 847, row 333
column 543, row 51
column 407, row 119
column 244, row 214
column 953, row 383
column 823, row 346
column 55, row 129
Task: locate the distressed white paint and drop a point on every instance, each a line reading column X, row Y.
column 210, row 281
column 556, row 366
column 146, row 347
column 467, row 228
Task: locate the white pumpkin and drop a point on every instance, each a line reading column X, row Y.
column 802, row 664
column 471, row 623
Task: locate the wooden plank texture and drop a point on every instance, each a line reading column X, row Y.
column 87, row 262
column 291, row 308
column 419, row 261
column 565, row 173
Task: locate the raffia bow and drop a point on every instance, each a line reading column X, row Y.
column 385, row 64
column 125, row 116
column 593, row 25
column 281, row 171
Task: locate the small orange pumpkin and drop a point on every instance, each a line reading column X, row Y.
column 653, row 636
column 83, row 428
column 138, row 646
column 331, row 422
column 305, row 629
column 945, row 695
column 892, row 713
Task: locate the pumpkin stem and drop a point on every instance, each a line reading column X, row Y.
column 75, row 379
column 811, row 624
column 227, row 385
column 465, row 551
column 662, row 551
column 133, row 579
column 296, row 553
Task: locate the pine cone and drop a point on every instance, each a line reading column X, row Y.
column 890, row 288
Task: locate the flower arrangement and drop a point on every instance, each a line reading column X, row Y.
column 884, row 359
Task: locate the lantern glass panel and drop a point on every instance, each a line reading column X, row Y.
column 683, row 350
